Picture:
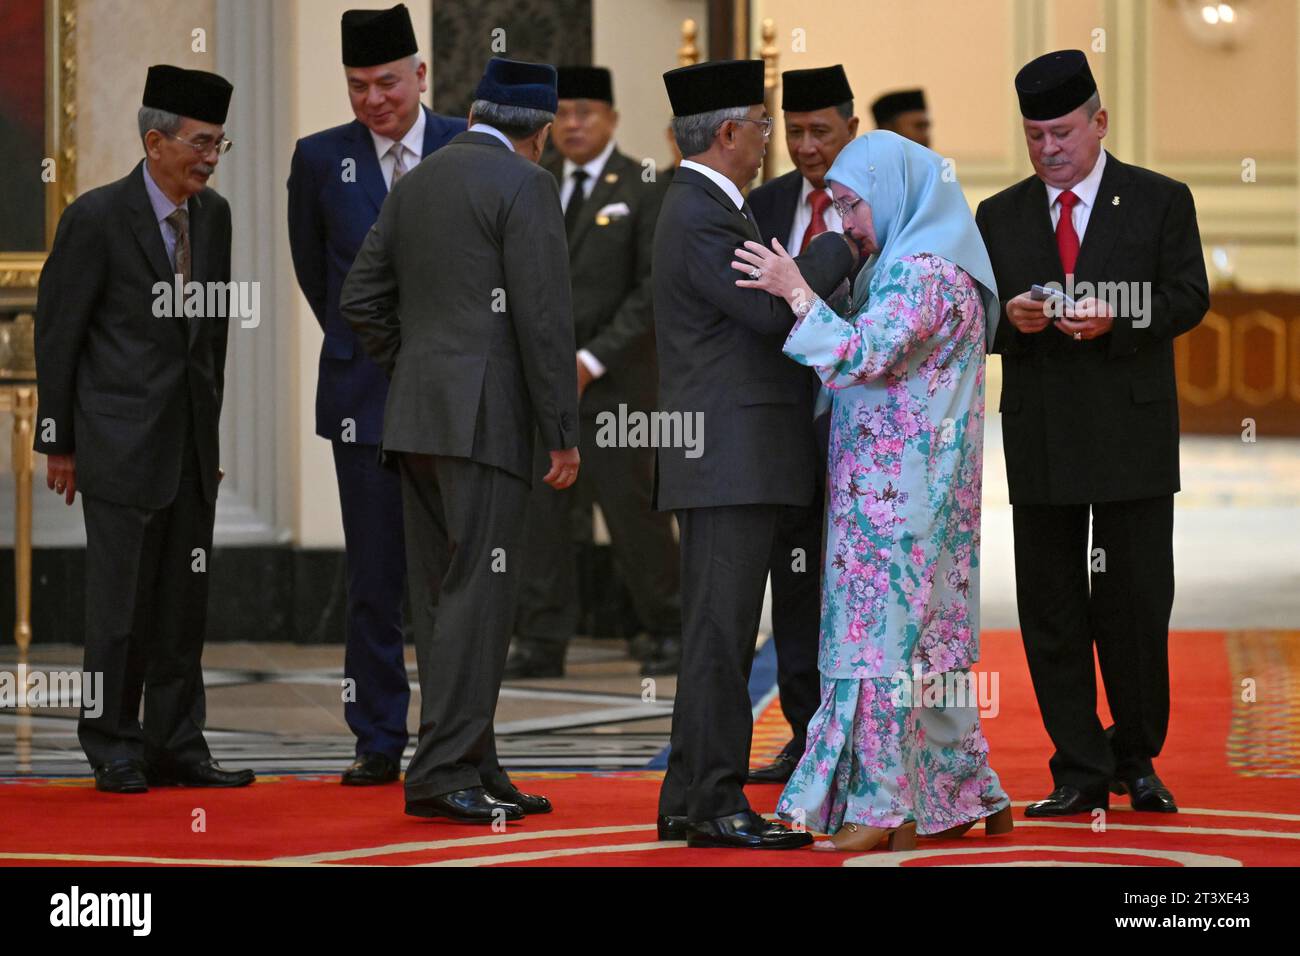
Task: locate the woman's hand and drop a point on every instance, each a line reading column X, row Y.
column 776, row 271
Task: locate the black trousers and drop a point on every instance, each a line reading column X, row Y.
column 146, row 617
column 464, row 523
column 646, row 556
column 1067, row 604
column 726, row 555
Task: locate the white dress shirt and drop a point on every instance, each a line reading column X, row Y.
column 412, row 149
column 492, row 131
column 1086, row 190
column 725, row 184
column 593, row 170
column 803, row 218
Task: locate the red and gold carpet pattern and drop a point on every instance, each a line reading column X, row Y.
column 1232, row 768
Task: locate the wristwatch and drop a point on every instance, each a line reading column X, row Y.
column 803, row 307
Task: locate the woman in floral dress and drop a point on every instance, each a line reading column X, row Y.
column 903, row 359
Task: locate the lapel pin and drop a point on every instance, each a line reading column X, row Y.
column 1114, row 201
column 602, row 220
column 611, row 177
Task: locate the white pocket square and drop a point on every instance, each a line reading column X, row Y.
column 615, row 210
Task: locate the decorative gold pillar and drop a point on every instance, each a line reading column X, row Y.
column 688, row 54
column 24, row 411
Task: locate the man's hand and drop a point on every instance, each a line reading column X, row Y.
column 564, row 468
column 61, row 475
column 1027, row 314
column 1088, row 319
column 585, row 377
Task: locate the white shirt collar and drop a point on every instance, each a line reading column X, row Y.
column 1085, row 189
column 725, row 184
column 413, row 141
column 493, row 131
column 593, row 168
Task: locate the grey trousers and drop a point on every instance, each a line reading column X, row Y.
column 463, row 522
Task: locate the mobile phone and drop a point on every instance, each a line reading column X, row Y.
column 1040, row 292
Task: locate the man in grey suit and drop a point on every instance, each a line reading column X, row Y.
column 609, row 214
column 460, row 293
column 720, row 362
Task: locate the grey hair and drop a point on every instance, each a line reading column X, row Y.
column 517, row 122
column 845, row 109
column 694, row 133
column 1092, row 104
column 164, row 122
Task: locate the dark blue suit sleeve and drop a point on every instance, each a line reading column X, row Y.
column 307, row 233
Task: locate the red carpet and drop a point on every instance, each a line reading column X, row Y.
column 1233, row 766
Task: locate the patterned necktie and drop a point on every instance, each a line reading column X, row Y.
column 819, row 201
column 399, row 170
column 1067, row 240
column 573, row 211
column 180, row 221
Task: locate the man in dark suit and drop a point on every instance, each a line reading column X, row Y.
column 796, row 208
column 460, row 293
column 609, row 213
column 721, row 366
column 130, row 368
column 903, row 112
column 330, row 213
column 1090, row 427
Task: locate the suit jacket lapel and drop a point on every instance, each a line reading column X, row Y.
column 1104, row 222
column 369, row 176
column 789, row 208
column 200, row 254
column 144, row 225
column 600, row 195
column 714, row 190
column 1039, row 236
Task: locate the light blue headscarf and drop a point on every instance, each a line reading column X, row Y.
column 914, row 209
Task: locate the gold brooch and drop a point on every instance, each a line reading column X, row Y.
column 602, row 220
column 611, row 177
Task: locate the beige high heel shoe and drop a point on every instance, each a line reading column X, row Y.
column 853, row 838
column 997, row 824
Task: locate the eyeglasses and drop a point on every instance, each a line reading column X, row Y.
column 766, row 122
column 205, row 144
column 844, row 208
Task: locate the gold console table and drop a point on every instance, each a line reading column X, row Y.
column 18, row 396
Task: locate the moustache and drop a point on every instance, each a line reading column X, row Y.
column 204, row 169
column 1055, row 160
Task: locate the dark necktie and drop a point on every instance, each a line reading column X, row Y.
column 180, row 221
column 576, row 198
column 1067, row 240
column 819, row 201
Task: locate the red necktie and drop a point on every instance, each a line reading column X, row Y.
column 1067, row 240
column 820, row 201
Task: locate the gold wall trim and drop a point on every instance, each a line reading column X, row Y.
column 20, row 270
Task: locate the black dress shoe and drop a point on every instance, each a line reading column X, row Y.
column 1147, row 794
column 671, row 827
column 530, row 803
column 1066, row 800
column 667, row 659
column 121, row 776
column 369, row 770
column 529, row 659
column 205, row 773
column 779, row 770
column 643, row 647
column 473, row 805
column 744, row 831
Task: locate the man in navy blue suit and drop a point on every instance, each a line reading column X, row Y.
column 337, row 184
